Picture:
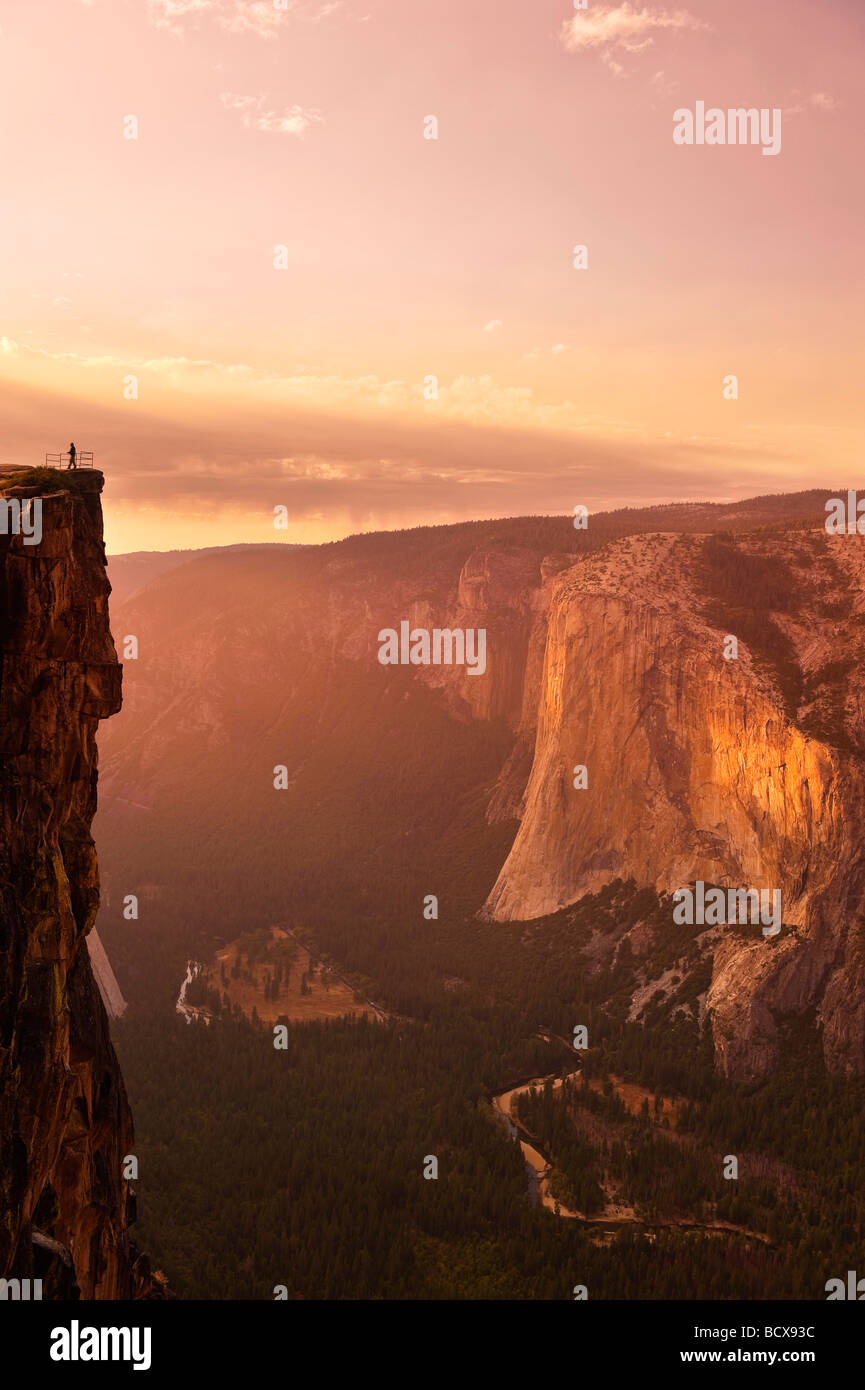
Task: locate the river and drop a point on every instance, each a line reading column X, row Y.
column 538, row 1168
column 540, row 1172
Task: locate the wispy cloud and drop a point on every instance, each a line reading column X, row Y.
column 623, row 28
column 816, row 101
column 292, row 120
column 493, row 326
column 469, row 399
column 557, row 349
column 664, row 85
column 171, row 14
column 259, row 17
column 365, row 452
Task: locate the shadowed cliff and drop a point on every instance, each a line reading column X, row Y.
column 65, row 1124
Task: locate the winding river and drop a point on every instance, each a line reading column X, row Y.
column 540, row 1172
column 539, row 1168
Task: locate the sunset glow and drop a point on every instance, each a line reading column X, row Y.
column 409, row 258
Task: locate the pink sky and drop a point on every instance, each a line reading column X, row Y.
column 410, row 257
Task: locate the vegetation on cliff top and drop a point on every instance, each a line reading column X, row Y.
column 55, row 479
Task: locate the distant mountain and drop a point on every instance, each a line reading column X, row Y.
column 133, row 571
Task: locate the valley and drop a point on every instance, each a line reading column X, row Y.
column 405, row 1031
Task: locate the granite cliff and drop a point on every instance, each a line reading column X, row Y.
column 65, row 1125
column 740, row 772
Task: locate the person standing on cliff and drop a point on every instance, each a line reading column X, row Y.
column 72, row 463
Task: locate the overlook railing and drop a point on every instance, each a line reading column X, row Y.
column 83, row 459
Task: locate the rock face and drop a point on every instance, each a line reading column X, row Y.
column 697, row 771
column 65, row 1124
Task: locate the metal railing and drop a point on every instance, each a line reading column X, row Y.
column 83, row 459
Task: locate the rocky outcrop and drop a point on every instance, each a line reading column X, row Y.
column 695, row 771
column 65, row 1125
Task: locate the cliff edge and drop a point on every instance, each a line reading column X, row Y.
column 65, row 1124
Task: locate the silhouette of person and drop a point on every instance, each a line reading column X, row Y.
column 72, row 463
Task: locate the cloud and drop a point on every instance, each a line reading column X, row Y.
column 168, row 14
column 10, row 348
column 622, row 27
column 293, row 120
column 202, row 427
column 663, row 84
column 816, row 101
column 493, row 326
column 481, row 450
column 557, row 349
column 467, row 400
column 616, row 68
column 260, row 17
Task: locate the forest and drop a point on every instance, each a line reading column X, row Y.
column 305, row 1167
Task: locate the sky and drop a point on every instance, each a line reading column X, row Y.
column 422, row 348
